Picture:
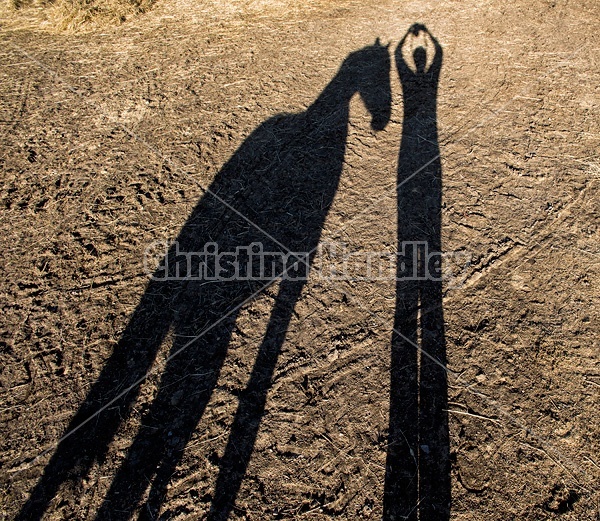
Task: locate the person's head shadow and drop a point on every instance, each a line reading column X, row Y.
column 420, row 58
column 276, row 190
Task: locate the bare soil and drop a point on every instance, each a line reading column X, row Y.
column 107, row 140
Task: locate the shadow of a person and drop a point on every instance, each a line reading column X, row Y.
column 417, row 481
column 275, row 191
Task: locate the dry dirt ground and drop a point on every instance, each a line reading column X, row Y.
column 107, row 138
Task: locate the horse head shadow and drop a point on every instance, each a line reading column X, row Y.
column 272, row 195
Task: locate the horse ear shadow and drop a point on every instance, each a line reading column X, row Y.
column 379, row 44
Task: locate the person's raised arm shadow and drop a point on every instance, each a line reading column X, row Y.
column 417, row 481
column 404, row 71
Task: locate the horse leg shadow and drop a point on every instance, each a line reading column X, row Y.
column 234, row 463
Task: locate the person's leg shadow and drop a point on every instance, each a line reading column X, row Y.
column 273, row 193
column 417, row 480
